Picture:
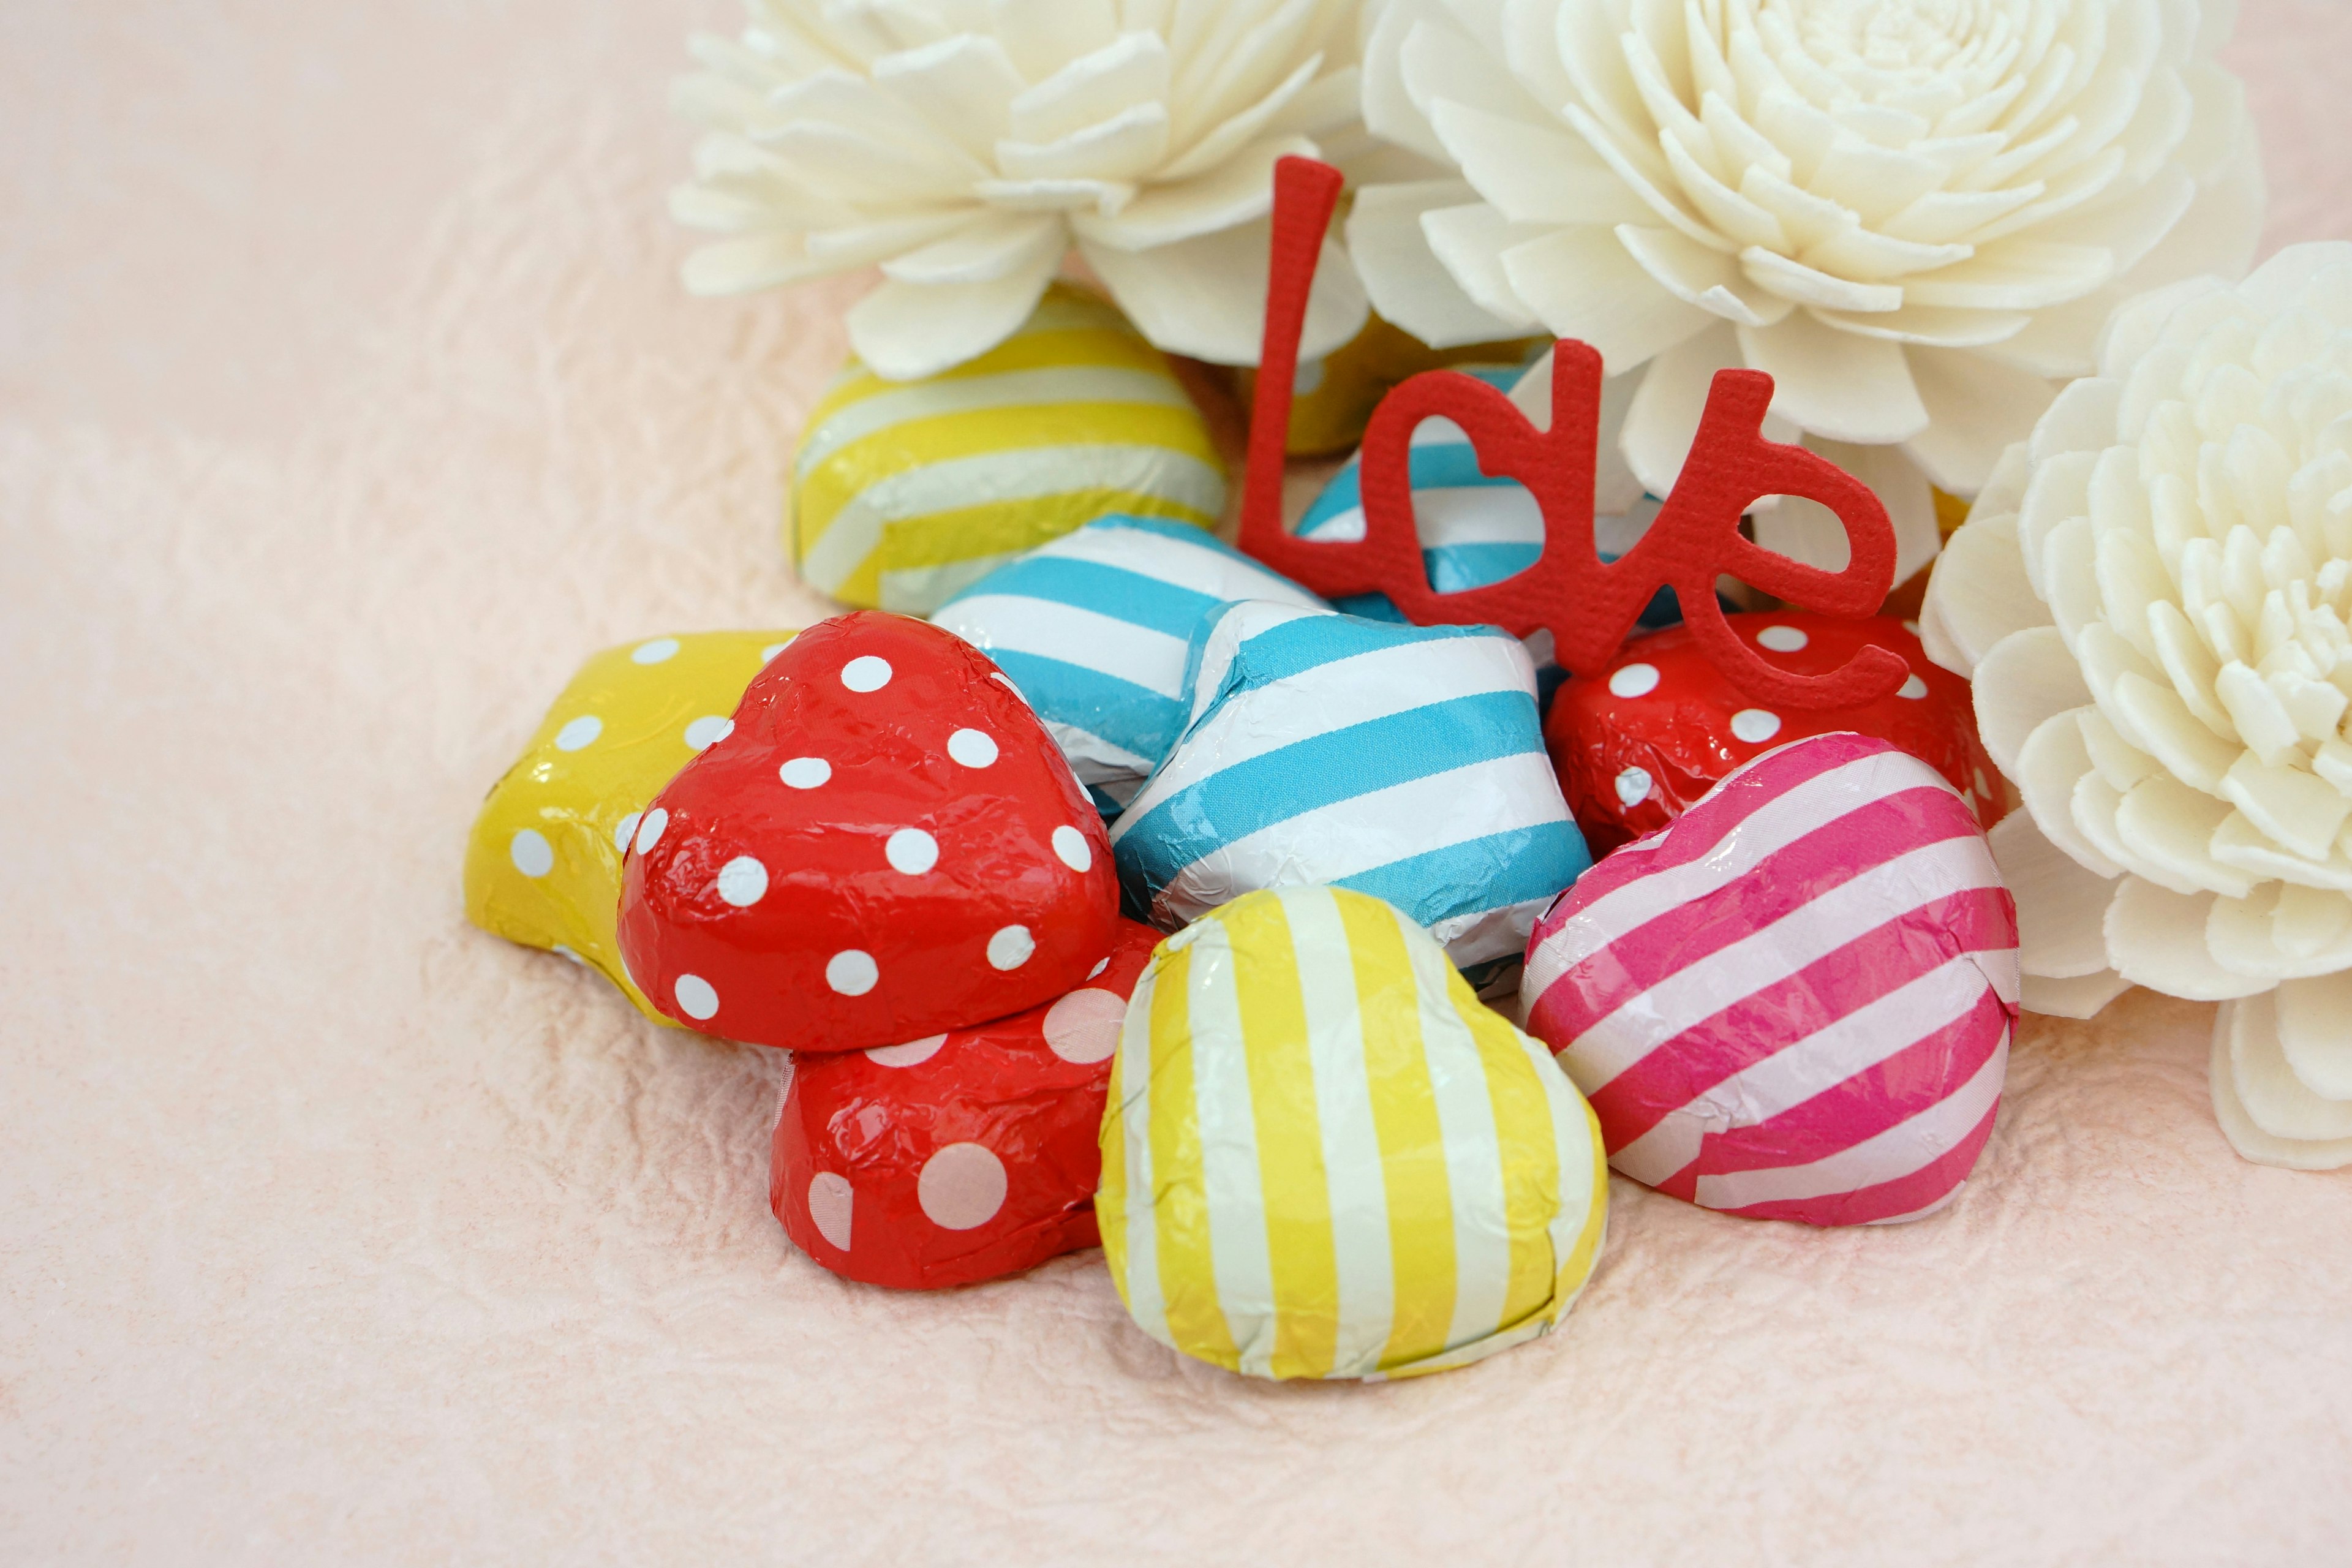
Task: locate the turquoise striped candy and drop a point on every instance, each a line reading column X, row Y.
column 1403, row 762
column 1096, row 630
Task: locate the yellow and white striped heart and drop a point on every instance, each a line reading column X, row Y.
column 1324, row 1157
column 905, row 492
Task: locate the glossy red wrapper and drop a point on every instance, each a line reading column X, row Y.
column 1638, row 743
column 886, row 844
column 963, row 1157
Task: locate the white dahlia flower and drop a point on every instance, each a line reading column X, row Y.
column 967, row 145
column 1915, row 213
column 2154, row 598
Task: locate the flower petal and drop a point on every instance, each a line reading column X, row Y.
column 1804, row 285
column 2155, row 938
column 1235, row 192
column 2275, row 287
column 2132, row 223
column 1070, row 196
column 2217, row 234
column 960, row 84
column 2299, row 811
column 1041, row 35
column 2080, row 418
column 863, row 245
column 905, row 330
column 2280, row 932
column 1389, row 112
column 1875, row 182
column 1978, row 593
column 1469, row 242
column 2273, row 1098
column 2014, row 275
column 1655, row 186
column 1699, row 275
column 844, row 100
column 759, row 261
column 1327, row 105
column 1403, row 278
column 1206, row 297
column 2060, row 907
column 1129, row 72
column 2166, row 831
column 2058, row 342
column 2314, row 1029
column 1126, row 146
column 1871, row 256
column 1975, row 408
column 2241, row 1030
column 1227, row 137
column 718, row 209
column 2023, row 679
column 1245, row 53
column 2052, row 761
column 863, row 170
column 1533, row 174
column 1607, row 109
column 1835, row 384
column 1580, row 283
column 2082, row 997
column 2235, row 842
column 994, row 246
column 1441, row 65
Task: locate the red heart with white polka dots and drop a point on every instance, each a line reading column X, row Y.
column 961, row 1157
column 884, row 844
column 1639, row 741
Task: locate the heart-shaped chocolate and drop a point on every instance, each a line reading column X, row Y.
column 884, row 844
column 543, row 864
column 963, row 1156
column 1795, row 1003
column 1324, row 1157
column 1641, row 738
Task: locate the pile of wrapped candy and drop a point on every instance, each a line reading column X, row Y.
column 1594, row 777
column 1140, row 897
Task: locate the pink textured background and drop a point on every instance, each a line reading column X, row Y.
column 346, row 399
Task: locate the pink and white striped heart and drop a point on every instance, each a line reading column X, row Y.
column 1795, row 1003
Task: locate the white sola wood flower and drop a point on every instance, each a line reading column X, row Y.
column 1915, row 213
column 2154, row 598
column 967, row 145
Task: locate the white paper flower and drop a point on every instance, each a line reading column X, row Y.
column 2152, row 597
column 966, row 145
column 1915, row 213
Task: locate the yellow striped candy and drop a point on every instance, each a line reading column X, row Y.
column 1324, row 1157
column 543, row 865
column 905, row 491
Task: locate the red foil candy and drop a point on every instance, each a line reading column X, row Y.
column 1640, row 742
column 884, row 844
column 959, row 1158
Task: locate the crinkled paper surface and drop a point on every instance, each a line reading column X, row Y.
column 347, row 401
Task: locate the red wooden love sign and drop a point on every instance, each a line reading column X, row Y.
column 1588, row 605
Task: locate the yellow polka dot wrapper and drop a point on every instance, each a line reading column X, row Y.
column 1324, row 1157
column 543, row 864
column 905, row 491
